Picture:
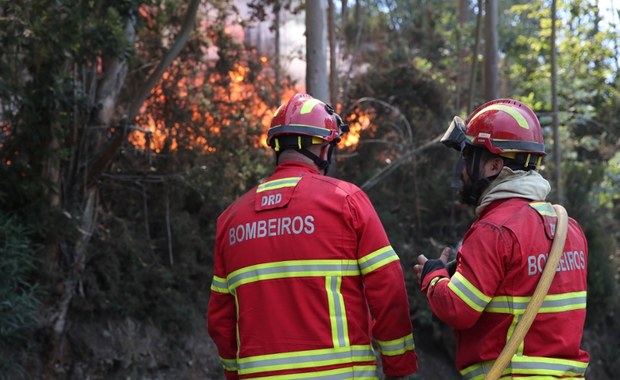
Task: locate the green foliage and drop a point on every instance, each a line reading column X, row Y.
column 589, row 205
column 414, row 201
column 602, row 284
column 151, row 260
column 20, row 297
column 150, row 256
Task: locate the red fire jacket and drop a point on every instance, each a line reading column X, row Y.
column 498, row 267
column 300, row 263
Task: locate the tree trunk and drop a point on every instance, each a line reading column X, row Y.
column 459, row 46
column 276, row 62
column 557, row 151
column 491, row 73
column 333, row 71
column 352, row 50
column 474, row 60
column 316, row 50
column 82, row 188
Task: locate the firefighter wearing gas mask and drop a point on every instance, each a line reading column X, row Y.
column 502, row 255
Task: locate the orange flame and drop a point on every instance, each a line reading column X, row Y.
column 358, row 123
column 154, row 134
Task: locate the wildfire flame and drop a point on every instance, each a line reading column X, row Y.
column 357, row 123
column 154, row 134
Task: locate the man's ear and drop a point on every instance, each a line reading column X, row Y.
column 494, row 166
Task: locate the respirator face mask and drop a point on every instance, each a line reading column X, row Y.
column 470, row 156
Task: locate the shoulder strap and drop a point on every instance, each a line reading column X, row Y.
column 537, row 298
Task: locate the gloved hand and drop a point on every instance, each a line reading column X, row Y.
column 425, row 266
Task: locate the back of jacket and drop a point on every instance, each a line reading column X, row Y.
column 299, row 263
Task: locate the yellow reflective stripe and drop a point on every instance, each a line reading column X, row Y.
column 219, row 285
column 229, row 364
column 337, row 312
column 436, row 280
column 543, row 208
column 278, row 110
column 511, row 330
column 278, row 184
column 396, row 346
column 548, row 366
column 531, row 365
column 377, row 259
column 552, row 303
column 510, row 111
column 290, row 269
column 237, row 335
column 468, row 293
column 362, row 372
column 309, row 105
column 305, row 359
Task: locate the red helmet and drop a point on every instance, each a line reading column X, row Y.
column 304, row 115
column 505, row 126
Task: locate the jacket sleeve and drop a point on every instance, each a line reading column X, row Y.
column 222, row 319
column 385, row 290
column 460, row 300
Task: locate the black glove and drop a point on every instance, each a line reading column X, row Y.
column 429, row 266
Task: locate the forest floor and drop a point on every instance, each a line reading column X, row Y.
column 131, row 350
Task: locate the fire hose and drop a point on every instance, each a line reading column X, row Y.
column 537, row 298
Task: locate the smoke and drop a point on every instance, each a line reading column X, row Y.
column 292, row 41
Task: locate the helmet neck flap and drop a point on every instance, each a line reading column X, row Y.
column 300, row 144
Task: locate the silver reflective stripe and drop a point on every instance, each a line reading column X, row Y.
column 543, row 208
column 396, row 346
column 480, row 371
column 552, row 303
column 305, row 359
column 457, row 283
column 229, row 364
column 387, row 255
column 291, row 269
column 348, row 373
column 547, row 367
column 577, row 302
column 219, row 284
column 338, row 317
column 278, row 183
column 506, row 306
column 530, row 365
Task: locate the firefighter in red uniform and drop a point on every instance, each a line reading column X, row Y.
column 305, row 282
column 504, row 251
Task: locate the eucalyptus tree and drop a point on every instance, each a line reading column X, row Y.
column 316, row 49
column 491, row 54
column 66, row 111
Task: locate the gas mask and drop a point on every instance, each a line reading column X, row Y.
column 470, row 156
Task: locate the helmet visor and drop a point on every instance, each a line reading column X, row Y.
column 455, row 135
